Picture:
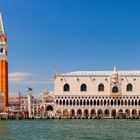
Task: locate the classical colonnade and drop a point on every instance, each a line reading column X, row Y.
column 105, row 107
column 103, row 113
column 98, row 101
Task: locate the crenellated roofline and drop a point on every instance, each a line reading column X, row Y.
column 99, row 73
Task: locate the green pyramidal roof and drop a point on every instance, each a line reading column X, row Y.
column 1, row 24
column 0, row 28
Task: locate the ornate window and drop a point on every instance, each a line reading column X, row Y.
column 66, row 88
column 101, row 88
column 83, row 87
column 129, row 88
column 1, row 50
column 115, row 89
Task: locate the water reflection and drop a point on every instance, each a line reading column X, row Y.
column 70, row 129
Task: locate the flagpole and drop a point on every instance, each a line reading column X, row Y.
column 19, row 100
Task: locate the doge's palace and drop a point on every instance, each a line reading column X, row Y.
column 103, row 94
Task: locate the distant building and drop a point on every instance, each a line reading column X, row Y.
column 14, row 103
column 38, row 108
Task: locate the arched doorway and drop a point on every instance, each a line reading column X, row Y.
column 49, row 108
column 49, row 112
column 115, row 89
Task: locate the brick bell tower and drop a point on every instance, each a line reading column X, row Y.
column 3, row 64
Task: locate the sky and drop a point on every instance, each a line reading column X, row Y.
column 58, row 36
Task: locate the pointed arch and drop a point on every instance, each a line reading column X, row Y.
column 84, row 102
column 136, row 103
column 70, row 102
column 125, row 102
column 63, row 102
column 60, row 102
column 98, row 103
column 67, row 102
column 57, row 102
column 132, row 102
column 127, row 111
column 106, row 113
column 115, row 89
column 83, row 88
column 129, row 88
column 111, row 102
column 101, row 102
column 87, row 102
column 91, row 103
column 113, row 113
column 94, row 102
column 104, row 102
column 66, row 88
column 77, row 102
column 79, row 112
column 92, row 113
column 134, row 112
column 72, row 113
column 74, row 102
column 81, row 102
column 65, row 113
column 86, row 113
column 101, row 87
column 100, row 112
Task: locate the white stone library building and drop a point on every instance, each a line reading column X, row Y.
column 90, row 94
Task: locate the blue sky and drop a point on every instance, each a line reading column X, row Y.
column 47, row 36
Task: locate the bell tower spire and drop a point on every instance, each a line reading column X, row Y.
column 3, row 63
column 1, row 24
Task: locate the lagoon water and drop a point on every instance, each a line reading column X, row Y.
column 70, row 130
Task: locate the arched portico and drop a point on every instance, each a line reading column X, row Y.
column 120, row 113
column 58, row 113
column 134, row 112
column 72, row 113
column 79, row 113
column 113, row 113
column 86, row 113
column 66, row 113
column 106, row 113
column 127, row 112
column 100, row 113
column 92, row 113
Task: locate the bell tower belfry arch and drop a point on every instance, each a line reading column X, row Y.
column 3, row 63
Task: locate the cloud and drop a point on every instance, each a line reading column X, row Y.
column 38, row 82
column 26, row 78
column 18, row 77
